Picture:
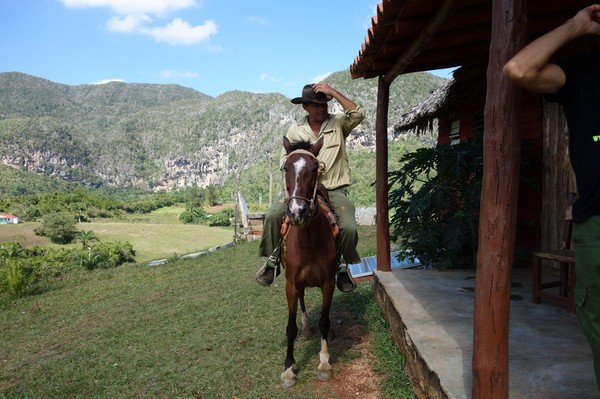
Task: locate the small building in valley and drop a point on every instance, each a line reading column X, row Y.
column 7, row 218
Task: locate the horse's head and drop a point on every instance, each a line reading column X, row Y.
column 301, row 170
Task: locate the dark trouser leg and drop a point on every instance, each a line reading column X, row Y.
column 272, row 227
column 348, row 239
column 269, row 242
column 346, row 215
column 586, row 240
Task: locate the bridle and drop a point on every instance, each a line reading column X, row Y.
column 310, row 201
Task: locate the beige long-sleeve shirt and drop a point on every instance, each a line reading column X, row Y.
column 333, row 155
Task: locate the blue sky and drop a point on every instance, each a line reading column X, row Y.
column 212, row 46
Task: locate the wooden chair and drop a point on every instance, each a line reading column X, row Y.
column 565, row 257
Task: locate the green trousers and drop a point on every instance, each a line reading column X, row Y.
column 346, row 217
column 586, row 240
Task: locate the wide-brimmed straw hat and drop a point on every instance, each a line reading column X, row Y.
column 309, row 96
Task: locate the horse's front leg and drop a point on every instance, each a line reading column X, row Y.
column 288, row 377
column 306, row 330
column 324, row 370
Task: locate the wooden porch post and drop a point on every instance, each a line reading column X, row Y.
column 501, row 154
column 447, row 9
column 381, row 171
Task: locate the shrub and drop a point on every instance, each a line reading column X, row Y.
column 58, row 227
column 115, row 253
column 193, row 215
column 222, row 218
column 32, row 213
column 16, row 274
column 22, row 271
column 90, row 260
column 186, row 217
column 434, row 199
column 17, row 277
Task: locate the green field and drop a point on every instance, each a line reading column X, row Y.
column 157, row 235
column 194, row 328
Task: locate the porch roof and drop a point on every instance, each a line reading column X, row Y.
column 403, row 29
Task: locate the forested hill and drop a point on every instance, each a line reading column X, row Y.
column 163, row 136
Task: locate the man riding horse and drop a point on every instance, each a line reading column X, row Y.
column 334, row 129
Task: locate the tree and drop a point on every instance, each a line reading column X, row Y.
column 91, row 259
column 78, row 207
column 435, row 199
column 210, row 195
column 58, row 227
column 85, row 237
column 11, row 250
column 16, row 275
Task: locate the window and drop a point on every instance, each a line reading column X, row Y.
column 455, row 132
column 478, row 123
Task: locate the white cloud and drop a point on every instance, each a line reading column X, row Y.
column 179, row 31
column 127, row 24
column 319, row 78
column 170, row 74
column 126, row 7
column 104, row 81
column 134, row 16
column 266, row 76
column 259, row 20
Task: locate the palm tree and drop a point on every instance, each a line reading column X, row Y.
column 85, row 236
column 11, row 250
column 91, row 260
column 78, row 207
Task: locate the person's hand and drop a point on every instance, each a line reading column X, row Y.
column 588, row 20
column 324, row 88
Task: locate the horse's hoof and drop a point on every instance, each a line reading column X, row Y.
column 324, row 375
column 286, row 384
column 288, row 379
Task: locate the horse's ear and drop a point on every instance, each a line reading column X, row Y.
column 317, row 146
column 286, row 145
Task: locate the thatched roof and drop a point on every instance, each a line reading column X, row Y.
column 423, row 115
column 467, row 84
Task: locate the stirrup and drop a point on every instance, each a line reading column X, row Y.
column 344, row 280
column 269, row 271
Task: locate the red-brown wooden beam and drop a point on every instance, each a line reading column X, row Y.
column 381, row 171
column 501, row 157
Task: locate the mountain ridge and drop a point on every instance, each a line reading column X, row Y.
column 164, row 137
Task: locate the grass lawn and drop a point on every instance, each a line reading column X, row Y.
column 193, row 328
column 153, row 241
column 157, row 235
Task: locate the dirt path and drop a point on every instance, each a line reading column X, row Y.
column 352, row 378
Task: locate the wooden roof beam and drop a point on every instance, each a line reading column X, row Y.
column 388, row 8
column 445, row 11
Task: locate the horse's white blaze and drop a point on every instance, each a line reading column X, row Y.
column 295, row 204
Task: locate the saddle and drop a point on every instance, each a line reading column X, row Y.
column 322, row 199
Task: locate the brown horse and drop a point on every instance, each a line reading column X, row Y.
column 308, row 253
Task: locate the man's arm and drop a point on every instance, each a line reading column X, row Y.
column 345, row 102
column 530, row 68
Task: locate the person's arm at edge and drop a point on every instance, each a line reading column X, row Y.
column 530, row 68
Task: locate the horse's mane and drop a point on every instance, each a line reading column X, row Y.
column 300, row 145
